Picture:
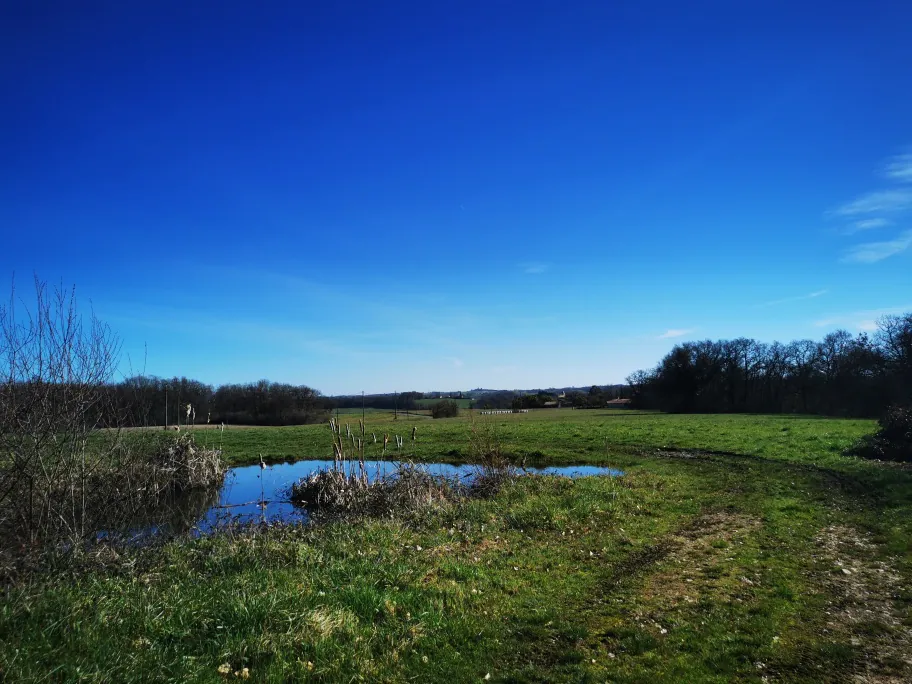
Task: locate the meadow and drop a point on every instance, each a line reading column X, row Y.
column 733, row 548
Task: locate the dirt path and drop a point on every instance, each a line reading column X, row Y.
column 862, row 606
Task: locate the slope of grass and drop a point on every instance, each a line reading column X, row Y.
column 566, row 436
column 733, row 548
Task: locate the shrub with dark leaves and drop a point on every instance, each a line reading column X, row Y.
column 445, row 409
column 893, row 441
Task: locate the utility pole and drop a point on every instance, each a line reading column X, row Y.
column 362, row 406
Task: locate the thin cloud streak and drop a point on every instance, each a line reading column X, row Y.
column 867, row 224
column 786, row 300
column 899, row 168
column 860, row 319
column 675, row 332
column 535, row 268
column 879, row 202
column 872, row 252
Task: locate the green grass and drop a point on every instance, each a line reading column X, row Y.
column 707, row 565
column 565, row 436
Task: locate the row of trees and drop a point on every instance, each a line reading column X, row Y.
column 403, row 401
column 841, row 375
column 162, row 401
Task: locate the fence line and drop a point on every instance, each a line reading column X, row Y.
column 497, row 413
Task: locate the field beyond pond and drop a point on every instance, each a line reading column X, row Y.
column 733, row 548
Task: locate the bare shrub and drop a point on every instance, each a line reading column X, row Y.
column 893, row 441
column 493, row 468
column 445, row 409
column 67, row 470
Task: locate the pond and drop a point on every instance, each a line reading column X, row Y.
column 252, row 494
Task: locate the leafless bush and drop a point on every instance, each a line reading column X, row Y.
column 67, row 470
column 893, row 441
column 493, row 468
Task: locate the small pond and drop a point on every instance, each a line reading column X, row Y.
column 252, row 494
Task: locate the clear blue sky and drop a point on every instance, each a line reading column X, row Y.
column 433, row 195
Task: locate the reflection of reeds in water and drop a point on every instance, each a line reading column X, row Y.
column 174, row 515
column 112, row 493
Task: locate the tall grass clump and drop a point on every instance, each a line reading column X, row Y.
column 346, row 490
column 406, row 491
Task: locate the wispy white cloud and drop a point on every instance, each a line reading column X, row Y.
column 862, row 320
column 899, row 168
column 866, row 212
column 867, row 224
column 786, row 300
column 879, row 202
column 535, row 267
column 457, row 363
column 675, row 332
column 872, row 252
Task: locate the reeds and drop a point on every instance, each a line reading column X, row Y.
column 346, row 489
column 407, row 490
column 181, row 465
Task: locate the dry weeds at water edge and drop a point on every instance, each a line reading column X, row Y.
column 408, row 490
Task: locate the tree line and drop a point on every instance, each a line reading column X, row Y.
column 145, row 400
column 841, row 375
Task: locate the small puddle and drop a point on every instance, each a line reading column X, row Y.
column 253, row 494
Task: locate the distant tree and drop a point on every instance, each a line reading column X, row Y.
column 596, row 397
column 267, row 403
column 407, row 400
column 445, row 409
column 576, row 399
column 894, row 339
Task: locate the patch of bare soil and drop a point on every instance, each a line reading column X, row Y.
column 697, row 552
column 863, row 606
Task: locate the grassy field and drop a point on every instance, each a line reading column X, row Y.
column 564, row 436
column 734, row 548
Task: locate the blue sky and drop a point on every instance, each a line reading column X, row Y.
column 435, row 195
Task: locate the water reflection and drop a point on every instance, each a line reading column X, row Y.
column 251, row 494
